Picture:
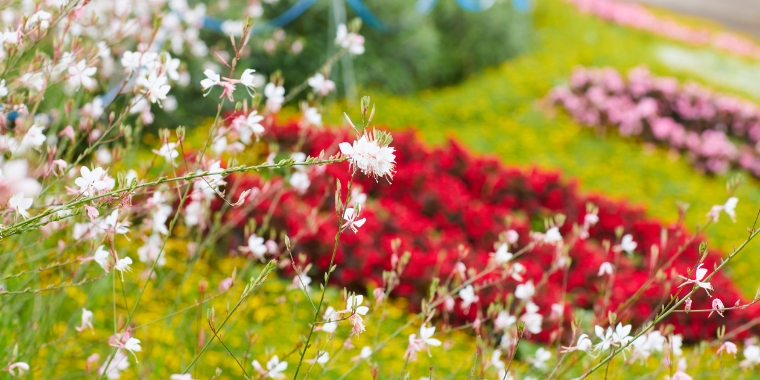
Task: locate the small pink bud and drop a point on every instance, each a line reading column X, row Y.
column 512, row 237
column 449, row 303
column 68, row 132
column 94, row 135
column 92, row 361
column 379, row 294
column 92, row 212
column 717, row 307
column 687, row 304
column 226, row 284
column 460, row 269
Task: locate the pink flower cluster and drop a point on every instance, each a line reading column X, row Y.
column 639, row 17
column 717, row 132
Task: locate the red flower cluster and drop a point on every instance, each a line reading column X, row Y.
column 446, row 197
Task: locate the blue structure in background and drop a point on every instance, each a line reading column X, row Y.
column 522, row 6
column 365, row 14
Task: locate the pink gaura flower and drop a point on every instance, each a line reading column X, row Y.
column 698, row 276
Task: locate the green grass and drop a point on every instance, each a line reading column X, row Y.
column 500, row 112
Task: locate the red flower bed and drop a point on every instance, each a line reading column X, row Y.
column 444, row 197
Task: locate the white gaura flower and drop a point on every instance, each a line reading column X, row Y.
column 503, row 321
column 20, row 366
column 525, row 291
column 113, row 225
column 358, row 198
column 212, row 79
column 321, row 85
column 14, row 179
column 133, row 345
column 676, row 342
column 426, row 335
column 41, row 18
column 248, row 79
column 329, row 315
column 502, row 254
column 621, row 336
column 366, row 352
column 516, row 271
column 354, row 304
column 219, row 145
column 680, row 371
column 155, row 87
column 301, row 182
column 169, row 152
column 275, row 368
column 150, row 251
column 584, row 344
column 122, row 265
column 101, row 257
column 131, row 61
column 302, row 282
column 605, row 268
column 729, row 207
column 161, row 214
column 322, row 358
column 647, row 344
column 605, row 336
column 312, row 117
column 627, row 244
column 34, row 81
column 369, row 157
column 86, row 321
column 11, row 37
column 468, row 296
column 209, row 185
column 181, row 376
column 256, row 247
column 33, row 138
column 751, row 356
column 532, row 319
column 698, row 276
column 248, row 126
column 350, row 219
column 21, row 204
column 3, row 89
column 728, row 347
column 552, row 236
column 91, row 182
column 119, row 363
column 171, row 67
column 496, row 359
column 81, row 75
column 540, row 359
column 353, row 42
column 275, row 96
